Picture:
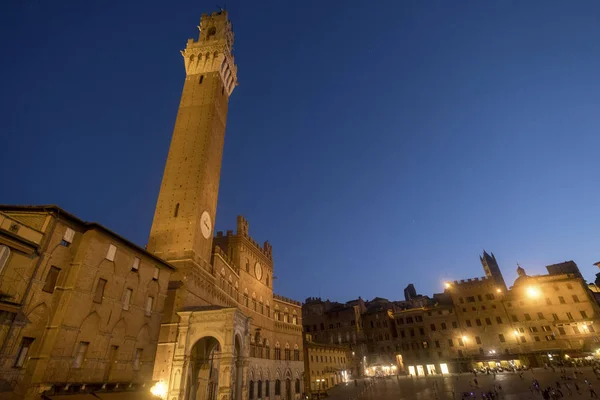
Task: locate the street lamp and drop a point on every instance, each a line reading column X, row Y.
column 447, row 285
column 533, row 292
column 159, row 390
column 498, row 290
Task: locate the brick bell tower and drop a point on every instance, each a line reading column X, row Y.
column 182, row 228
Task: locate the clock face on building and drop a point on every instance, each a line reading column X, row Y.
column 258, row 271
column 205, row 225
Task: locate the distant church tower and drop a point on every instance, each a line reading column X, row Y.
column 183, row 223
column 492, row 271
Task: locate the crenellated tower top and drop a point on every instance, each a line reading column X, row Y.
column 212, row 52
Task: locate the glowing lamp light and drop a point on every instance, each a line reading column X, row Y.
column 516, row 333
column 533, row 292
column 498, row 290
column 159, row 390
column 447, row 285
column 464, row 338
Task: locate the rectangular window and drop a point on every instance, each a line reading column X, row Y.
column 591, row 328
column 149, row 303
column 432, row 327
column 450, row 343
column 137, row 359
column 26, row 343
column 550, row 337
column 51, row 279
column 583, row 314
column 110, row 254
column 443, row 326
column 575, row 298
column 468, row 322
column 454, row 325
column 501, row 338
column 570, row 316
column 576, row 330
column 100, row 291
column 471, row 299
column 156, row 273
column 540, row 315
column 561, row 330
column 136, row 264
column 561, row 300
column 421, row 332
column 437, row 344
column 402, row 334
column 533, row 329
column 68, row 236
column 127, row 298
column 477, row 340
column 514, row 318
column 478, row 322
column 548, row 301
column 80, row 355
column 461, row 300
column 555, row 317
column 460, row 353
column 400, row 321
column 546, row 328
column 409, row 320
column 488, row 321
column 523, row 340
column 527, row 317
column 499, row 320
column 536, row 338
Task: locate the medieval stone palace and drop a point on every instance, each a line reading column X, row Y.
column 87, row 314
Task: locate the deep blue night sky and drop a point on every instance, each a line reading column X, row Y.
column 373, row 146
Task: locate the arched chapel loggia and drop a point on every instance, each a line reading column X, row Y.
column 209, row 360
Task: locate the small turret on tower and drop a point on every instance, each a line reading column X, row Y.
column 242, row 226
column 492, row 270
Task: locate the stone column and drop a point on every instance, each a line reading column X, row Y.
column 226, row 369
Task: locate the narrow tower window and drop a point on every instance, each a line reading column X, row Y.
column 211, row 33
column 176, row 210
column 201, row 79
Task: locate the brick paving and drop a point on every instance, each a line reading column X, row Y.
column 453, row 386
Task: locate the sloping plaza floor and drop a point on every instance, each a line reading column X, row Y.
column 454, row 386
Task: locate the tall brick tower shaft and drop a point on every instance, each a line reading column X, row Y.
column 182, row 228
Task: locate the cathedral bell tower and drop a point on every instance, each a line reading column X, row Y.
column 182, row 228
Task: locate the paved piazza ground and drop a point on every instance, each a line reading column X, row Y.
column 455, row 385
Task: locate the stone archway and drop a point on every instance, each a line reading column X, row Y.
column 203, row 372
column 207, row 355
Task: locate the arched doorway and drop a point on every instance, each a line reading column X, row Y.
column 203, row 378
